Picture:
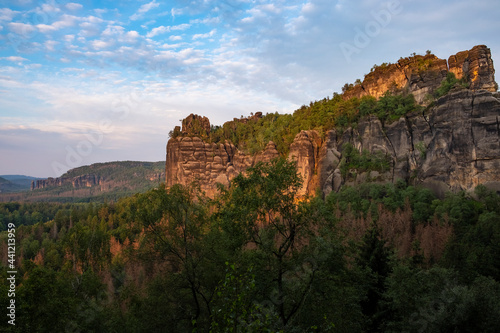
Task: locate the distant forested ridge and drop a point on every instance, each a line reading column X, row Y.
column 97, row 182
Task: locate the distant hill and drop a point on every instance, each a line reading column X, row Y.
column 96, row 182
column 15, row 183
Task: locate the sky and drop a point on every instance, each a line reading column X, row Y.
column 93, row 81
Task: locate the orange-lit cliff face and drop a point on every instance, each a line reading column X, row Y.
column 422, row 75
column 452, row 145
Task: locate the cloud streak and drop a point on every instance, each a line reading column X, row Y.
column 144, row 9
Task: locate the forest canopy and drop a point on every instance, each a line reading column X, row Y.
column 375, row 257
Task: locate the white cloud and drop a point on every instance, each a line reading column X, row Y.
column 44, row 28
column 207, row 35
column 132, row 34
column 73, row 6
column 181, row 27
column 100, row 44
column 99, row 11
column 158, row 31
column 21, row 28
column 69, row 38
column 176, row 11
column 91, row 26
column 14, row 59
column 175, row 38
column 33, row 66
column 50, row 44
column 47, row 8
column 144, row 9
column 113, row 30
column 7, row 14
column 66, row 21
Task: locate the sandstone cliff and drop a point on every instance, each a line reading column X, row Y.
column 191, row 159
column 454, row 144
column 422, row 75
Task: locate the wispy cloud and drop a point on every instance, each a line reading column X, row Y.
column 165, row 29
column 158, row 31
column 73, row 6
column 205, row 35
column 14, row 59
column 144, row 9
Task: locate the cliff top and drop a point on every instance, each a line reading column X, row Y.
column 421, row 75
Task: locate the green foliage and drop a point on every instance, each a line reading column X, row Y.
column 26, row 213
column 475, row 248
column 252, row 136
column 448, row 83
column 258, row 259
column 420, row 146
column 374, row 259
column 362, row 162
column 391, row 107
column 367, row 197
column 435, row 301
column 234, row 307
column 382, row 66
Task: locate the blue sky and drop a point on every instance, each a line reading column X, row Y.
column 96, row 81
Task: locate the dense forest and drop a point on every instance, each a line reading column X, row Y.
column 257, row 258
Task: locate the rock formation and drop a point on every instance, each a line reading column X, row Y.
column 452, row 145
column 422, row 75
column 190, row 159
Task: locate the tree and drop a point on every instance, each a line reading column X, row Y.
column 175, row 222
column 374, row 259
column 261, row 211
column 435, row 300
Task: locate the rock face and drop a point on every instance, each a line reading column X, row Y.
column 452, row 145
column 422, row 75
column 476, row 65
column 190, row 159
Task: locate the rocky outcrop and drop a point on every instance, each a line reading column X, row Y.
column 477, row 66
column 422, row 75
column 305, row 151
column 75, row 182
column 452, row 145
column 190, row 159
